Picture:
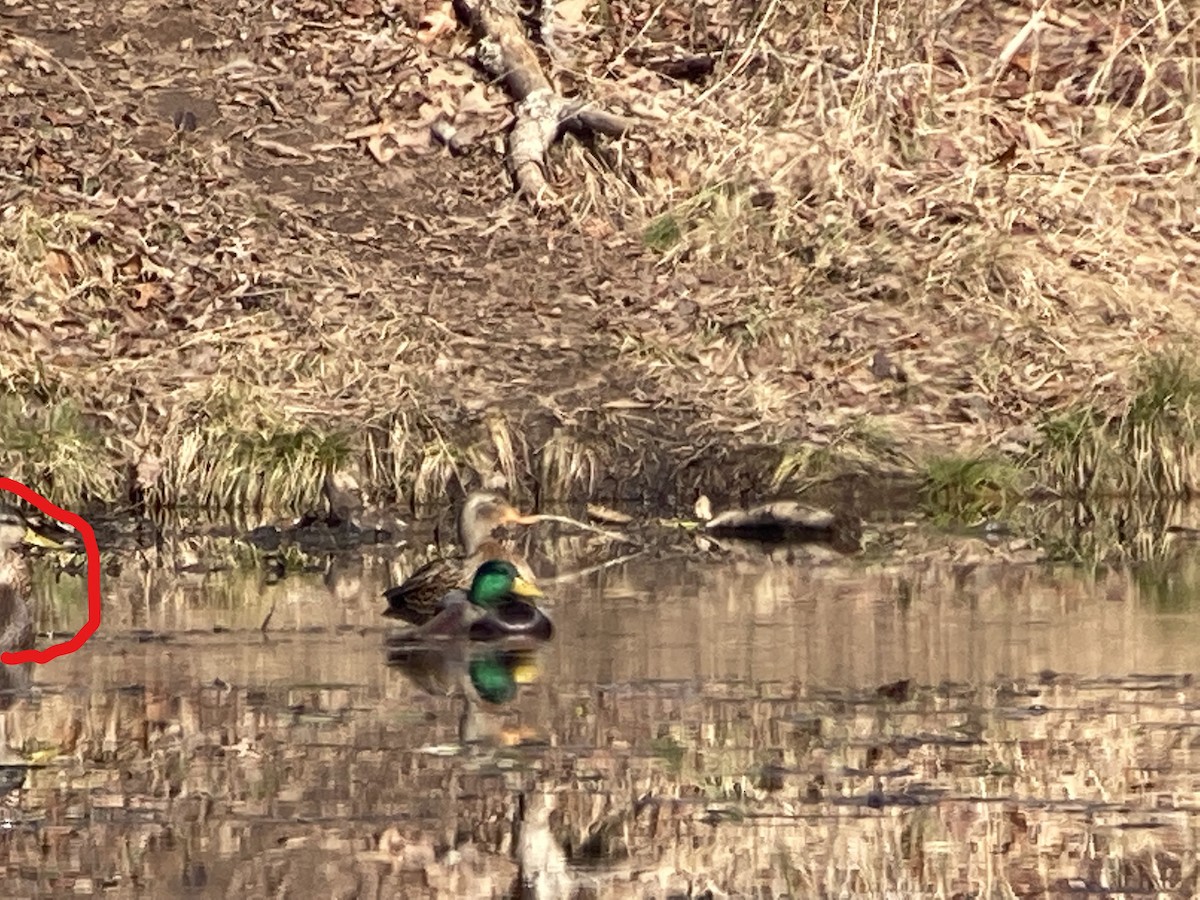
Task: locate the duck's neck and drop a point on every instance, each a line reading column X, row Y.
column 473, row 529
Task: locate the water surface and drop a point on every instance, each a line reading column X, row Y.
column 751, row 726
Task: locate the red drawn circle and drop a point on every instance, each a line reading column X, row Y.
column 16, row 657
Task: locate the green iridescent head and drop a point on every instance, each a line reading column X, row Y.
column 497, row 580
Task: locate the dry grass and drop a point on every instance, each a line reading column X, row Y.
column 1003, row 219
column 1147, row 447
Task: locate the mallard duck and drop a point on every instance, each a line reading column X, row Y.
column 499, row 604
column 418, row 599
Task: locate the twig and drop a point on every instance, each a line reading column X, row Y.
column 567, row 520
column 1000, row 64
column 599, row 567
column 747, row 53
column 620, row 55
column 46, row 55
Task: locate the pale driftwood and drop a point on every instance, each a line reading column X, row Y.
column 789, row 520
column 785, row 515
column 506, row 53
column 608, row 516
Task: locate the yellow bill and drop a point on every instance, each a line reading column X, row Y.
column 37, row 539
column 525, row 672
column 523, row 588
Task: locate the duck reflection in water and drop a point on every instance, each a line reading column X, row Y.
column 491, row 674
column 485, row 676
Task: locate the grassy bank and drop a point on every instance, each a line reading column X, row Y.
column 948, row 243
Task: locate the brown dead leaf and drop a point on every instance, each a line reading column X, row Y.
column 596, row 228
column 378, row 129
column 412, row 138
column 46, row 166
column 281, row 149
column 59, row 117
column 452, row 75
column 1005, row 158
column 131, row 267
column 359, row 8
column 571, row 12
column 147, row 292
column 476, row 100
column 58, row 264
column 377, row 146
column 437, row 23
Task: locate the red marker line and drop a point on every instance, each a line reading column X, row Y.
column 15, row 657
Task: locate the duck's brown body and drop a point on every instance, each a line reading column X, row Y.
column 16, row 633
column 16, row 622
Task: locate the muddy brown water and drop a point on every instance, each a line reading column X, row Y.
column 695, row 728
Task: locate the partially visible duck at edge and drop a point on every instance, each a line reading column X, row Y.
column 419, row 597
column 16, row 621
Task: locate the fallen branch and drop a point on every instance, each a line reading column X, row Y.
column 505, row 53
column 567, row 520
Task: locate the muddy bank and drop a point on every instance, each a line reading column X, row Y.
column 233, row 262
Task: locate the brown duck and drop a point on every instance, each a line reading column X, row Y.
column 419, row 598
column 16, row 621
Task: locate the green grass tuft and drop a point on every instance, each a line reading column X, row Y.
column 1149, row 447
column 663, row 233
column 52, row 448
column 968, row 489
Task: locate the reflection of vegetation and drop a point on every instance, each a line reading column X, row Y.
column 60, row 599
column 969, row 488
column 1170, row 585
column 670, row 751
column 1101, row 533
